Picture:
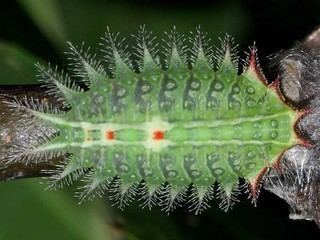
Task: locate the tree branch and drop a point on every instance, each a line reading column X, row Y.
column 10, row 134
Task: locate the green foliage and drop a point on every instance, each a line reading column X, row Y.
column 47, row 15
column 16, row 64
column 54, row 215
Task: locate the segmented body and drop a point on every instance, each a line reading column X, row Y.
column 167, row 127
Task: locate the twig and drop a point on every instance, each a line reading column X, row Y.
column 9, row 133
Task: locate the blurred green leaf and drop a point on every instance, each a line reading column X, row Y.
column 17, row 65
column 144, row 223
column 47, row 16
column 29, row 212
column 86, row 21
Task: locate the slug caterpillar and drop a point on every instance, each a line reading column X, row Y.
column 170, row 126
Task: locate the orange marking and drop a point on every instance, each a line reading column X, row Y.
column 110, row 135
column 158, row 135
column 255, row 183
column 275, row 86
column 254, row 66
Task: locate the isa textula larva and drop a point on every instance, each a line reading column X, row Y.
column 167, row 126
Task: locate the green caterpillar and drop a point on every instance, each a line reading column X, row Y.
column 169, row 126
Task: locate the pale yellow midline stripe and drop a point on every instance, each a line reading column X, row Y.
column 142, row 126
column 155, row 124
column 167, row 144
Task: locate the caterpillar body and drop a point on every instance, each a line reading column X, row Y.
column 167, row 126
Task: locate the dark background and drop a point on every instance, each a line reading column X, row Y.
column 35, row 30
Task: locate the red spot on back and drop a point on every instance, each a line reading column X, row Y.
column 110, row 135
column 158, row 135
